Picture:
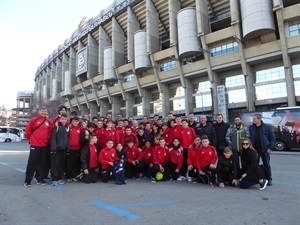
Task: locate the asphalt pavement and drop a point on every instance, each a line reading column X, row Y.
column 142, row 202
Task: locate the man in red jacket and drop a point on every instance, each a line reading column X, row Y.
column 38, row 131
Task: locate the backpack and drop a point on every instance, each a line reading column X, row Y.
column 119, row 172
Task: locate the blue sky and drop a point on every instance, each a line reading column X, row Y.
column 30, row 30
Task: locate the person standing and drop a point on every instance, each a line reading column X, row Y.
column 38, row 132
column 221, row 129
column 206, row 129
column 59, row 148
column 263, row 139
column 234, row 136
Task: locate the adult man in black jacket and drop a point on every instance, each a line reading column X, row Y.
column 206, row 129
column 221, row 129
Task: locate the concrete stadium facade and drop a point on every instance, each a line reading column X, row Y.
column 154, row 57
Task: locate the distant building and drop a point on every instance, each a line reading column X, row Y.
column 24, row 108
column 150, row 57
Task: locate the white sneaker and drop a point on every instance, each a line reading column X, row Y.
column 181, row 178
column 189, row 179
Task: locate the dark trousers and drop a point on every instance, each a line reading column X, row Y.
column 183, row 169
column 173, row 167
column 193, row 173
column 36, row 163
column 227, row 175
column 211, row 173
column 131, row 170
column 166, row 173
column 265, row 157
column 73, row 163
column 237, row 158
column 106, row 174
column 58, row 165
column 92, row 177
column 247, row 183
column 145, row 169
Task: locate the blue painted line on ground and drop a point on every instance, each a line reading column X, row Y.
column 21, row 170
column 3, row 163
column 286, row 183
column 143, row 204
column 59, row 186
column 116, row 210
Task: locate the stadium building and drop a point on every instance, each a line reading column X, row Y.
column 146, row 57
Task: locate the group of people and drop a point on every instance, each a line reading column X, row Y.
column 179, row 149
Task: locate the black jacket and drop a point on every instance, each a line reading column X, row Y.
column 208, row 130
column 250, row 165
column 221, row 130
column 60, row 138
column 224, row 163
column 123, row 155
column 85, row 156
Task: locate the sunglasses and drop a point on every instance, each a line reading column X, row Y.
column 245, row 143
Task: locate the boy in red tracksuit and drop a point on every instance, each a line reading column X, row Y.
column 176, row 130
column 110, row 133
column 107, row 158
column 73, row 159
column 99, row 131
column 129, row 135
column 187, row 138
column 206, row 160
column 192, row 160
column 166, row 133
column 176, row 157
column 121, row 131
column 134, row 158
column 161, row 160
column 89, row 159
column 147, row 161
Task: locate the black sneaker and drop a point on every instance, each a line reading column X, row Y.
column 41, row 182
column 27, row 184
column 153, row 180
column 270, row 183
column 263, row 185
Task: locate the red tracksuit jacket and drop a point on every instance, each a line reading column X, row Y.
column 121, row 133
column 147, row 154
column 74, row 137
column 193, row 152
column 175, row 133
column 110, row 134
column 133, row 137
column 134, row 154
column 160, row 155
column 176, row 157
column 106, row 156
column 206, row 156
column 187, row 136
column 39, row 137
column 167, row 135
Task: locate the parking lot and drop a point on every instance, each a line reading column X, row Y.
column 143, row 202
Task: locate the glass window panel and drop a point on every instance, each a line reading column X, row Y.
column 296, row 71
column 270, row 74
column 206, row 99
column 271, row 91
column 297, row 87
column 235, row 81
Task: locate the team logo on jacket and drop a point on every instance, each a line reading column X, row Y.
column 188, row 133
column 113, row 155
column 47, row 124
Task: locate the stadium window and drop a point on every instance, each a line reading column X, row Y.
column 294, row 30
